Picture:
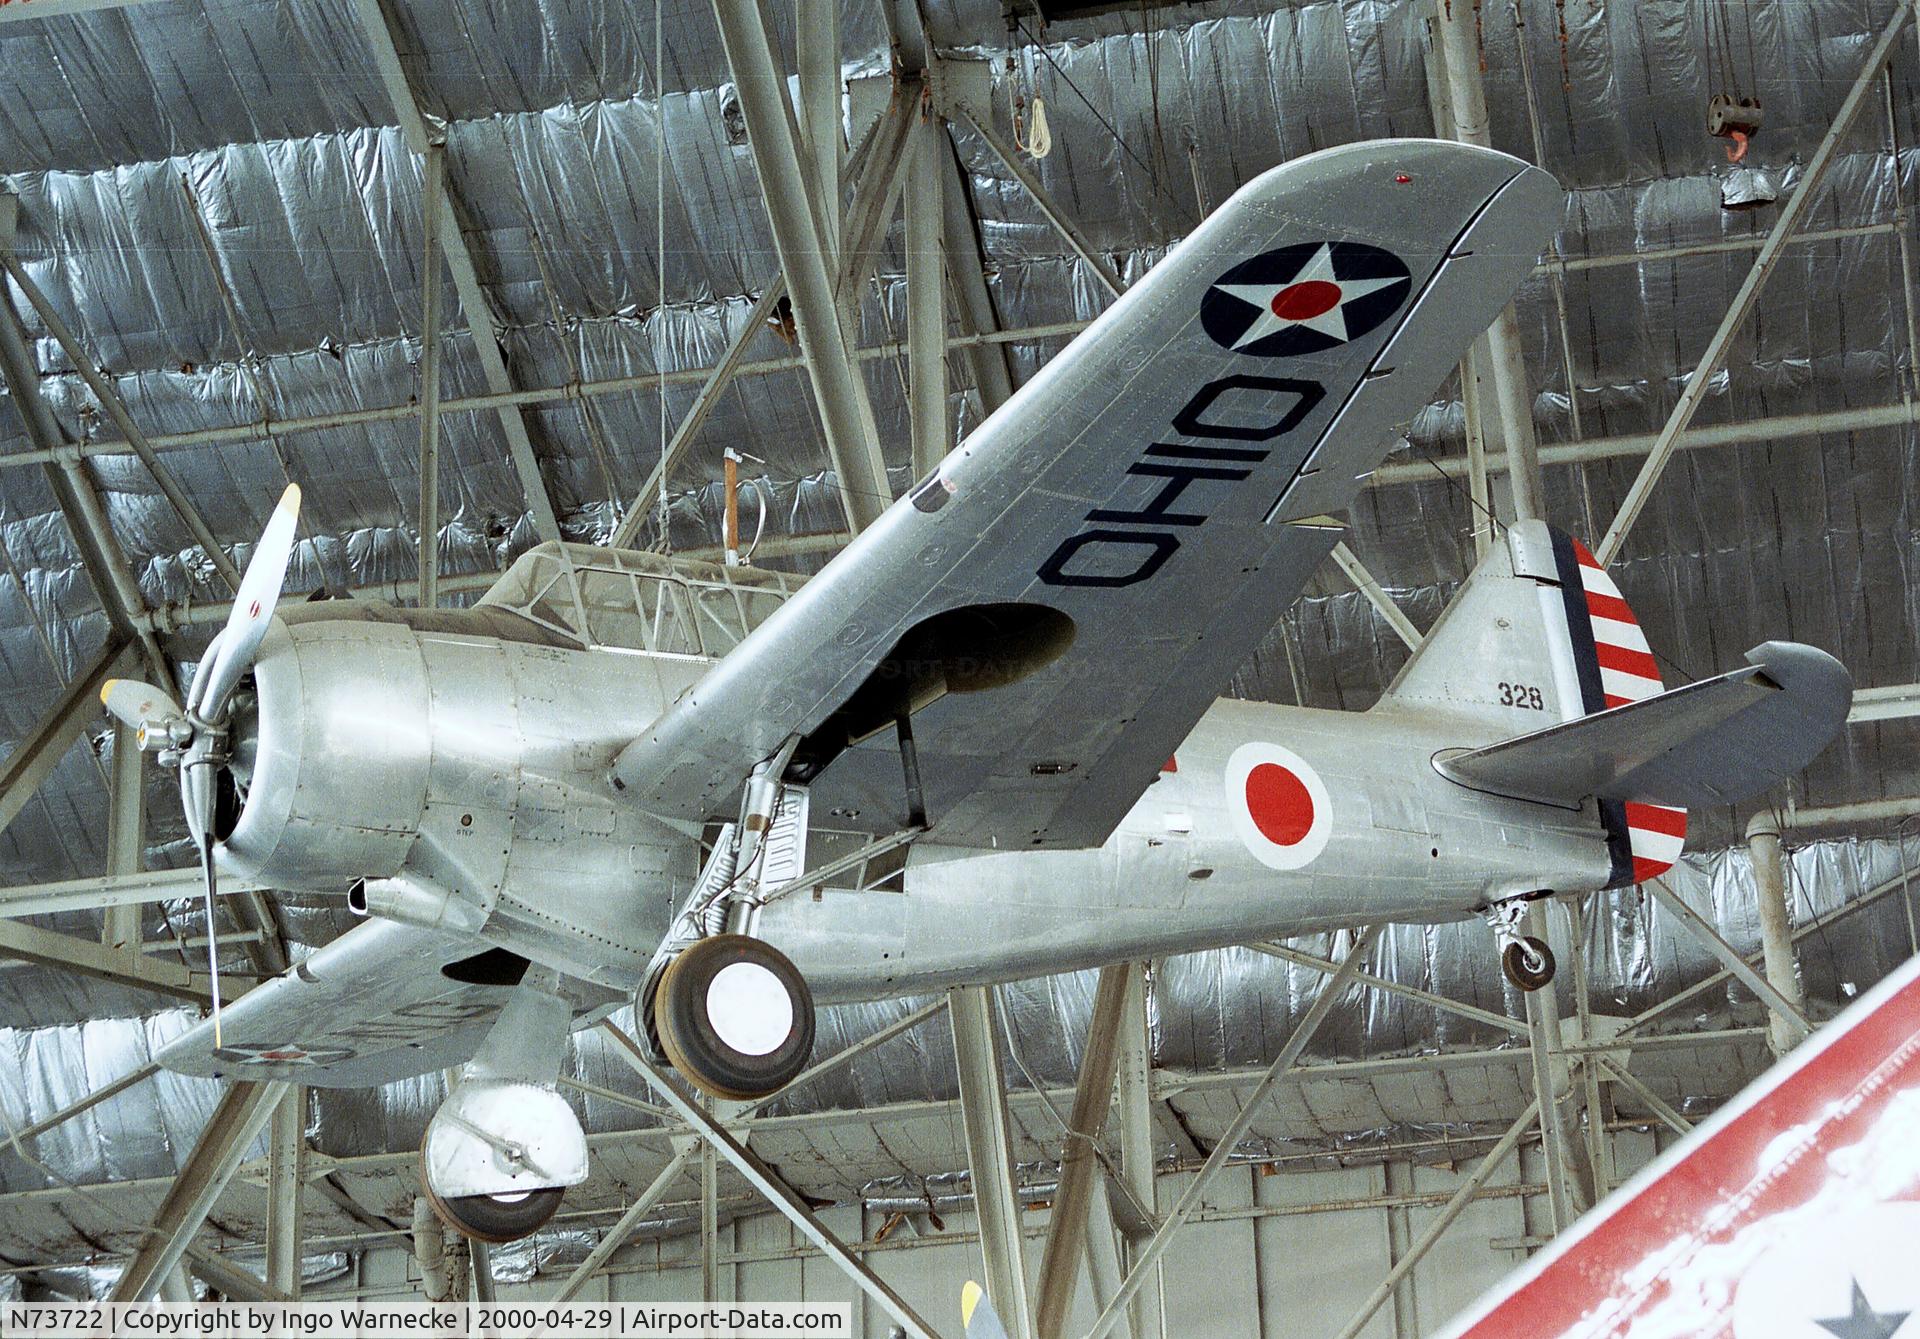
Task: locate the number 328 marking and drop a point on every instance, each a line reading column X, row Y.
column 1522, row 696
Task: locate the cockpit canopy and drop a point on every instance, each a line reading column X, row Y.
column 628, row 600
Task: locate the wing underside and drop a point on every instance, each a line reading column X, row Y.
column 374, row 1006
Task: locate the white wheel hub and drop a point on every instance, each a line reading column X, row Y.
column 749, row 1008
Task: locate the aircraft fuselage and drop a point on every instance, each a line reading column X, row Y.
column 463, row 776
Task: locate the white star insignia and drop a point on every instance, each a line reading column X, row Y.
column 1330, row 320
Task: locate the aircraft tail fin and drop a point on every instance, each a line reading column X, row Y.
column 1795, row 1209
column 1541, row 647
column 1538, row 636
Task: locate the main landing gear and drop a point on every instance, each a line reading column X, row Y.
column 504, row 1145
column 724, row 1007
column 1526, row 960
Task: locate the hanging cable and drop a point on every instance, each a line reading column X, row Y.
column 664, row 541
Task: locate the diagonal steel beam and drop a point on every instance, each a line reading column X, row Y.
column 1443, row 1220
column 1069, row 230
column 377, row 26
column 237, row 1120
column 54, row 733
column 983, row 1121
column 126, row 967
column 109, row 399
column 1729, row 957
column 89, row 1102
column 1376, row 595
column 806, row 259
column 1237, row 1128
column 614, row 1237
column 1092, row 1099
column 101, row 891
column 73, row 489
column 776, row 1191
column 1718, row 346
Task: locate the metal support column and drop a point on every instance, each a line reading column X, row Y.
column 709, row 1224
column 480, row 1273
column 983, row 1114
column 1376, row 596
column 1455, row 28
column 926, row 297
column 817, row 54
column 286, row 1188
column 242, row 1111
column 1133, row 1086
column 126, row 832
column 1223, row 1150
column 1776, row 924
column 1398, row 1176
column 1543, row 1033
column 433, row 194
column 1784, row 226
column 806, row 260
column 1069, row 231
column 1080, row 1182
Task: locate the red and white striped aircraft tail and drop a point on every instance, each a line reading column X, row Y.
column 1794, row 1213
column 1539, row 640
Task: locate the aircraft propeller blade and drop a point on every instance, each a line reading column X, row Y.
column 141, row 706
column 977, row 1314
column 233, row 650
column 198, row 782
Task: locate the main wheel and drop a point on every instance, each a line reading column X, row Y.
column 496, row 1218
column 735, row 1017
column 1528, row 963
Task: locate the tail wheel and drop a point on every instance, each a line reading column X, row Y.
column 1528, row 963
column 735, row 1017
column 496, row 1218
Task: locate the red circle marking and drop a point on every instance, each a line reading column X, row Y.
column 1304, row 301
column 1279, row 804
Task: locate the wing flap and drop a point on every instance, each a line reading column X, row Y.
column 1140, row 485
column 1712, row 742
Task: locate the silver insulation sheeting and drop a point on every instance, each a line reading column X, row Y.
column 131, row 135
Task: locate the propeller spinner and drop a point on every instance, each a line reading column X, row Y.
column 193, row 740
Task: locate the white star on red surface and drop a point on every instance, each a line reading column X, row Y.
column 1315, row 298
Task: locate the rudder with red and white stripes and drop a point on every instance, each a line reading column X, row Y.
column 1615, row 667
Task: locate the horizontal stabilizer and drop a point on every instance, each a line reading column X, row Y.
column 1711, row 742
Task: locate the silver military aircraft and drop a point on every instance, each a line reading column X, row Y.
column 983, row 742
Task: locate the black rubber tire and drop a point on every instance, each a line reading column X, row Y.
column 695, row 1048
column 492, row 1218
column 1513, row 961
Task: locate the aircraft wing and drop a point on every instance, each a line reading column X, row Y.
column 1794, row 1211
column 369, row 1008
column 1082, row 575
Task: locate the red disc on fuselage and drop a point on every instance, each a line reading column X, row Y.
column 1279, row 804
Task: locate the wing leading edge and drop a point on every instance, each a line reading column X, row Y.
column 1062, row 598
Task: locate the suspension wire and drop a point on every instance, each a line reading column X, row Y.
column 664, row 541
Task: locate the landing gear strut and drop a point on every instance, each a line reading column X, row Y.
column 723, row 1006
column 1526, row 960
